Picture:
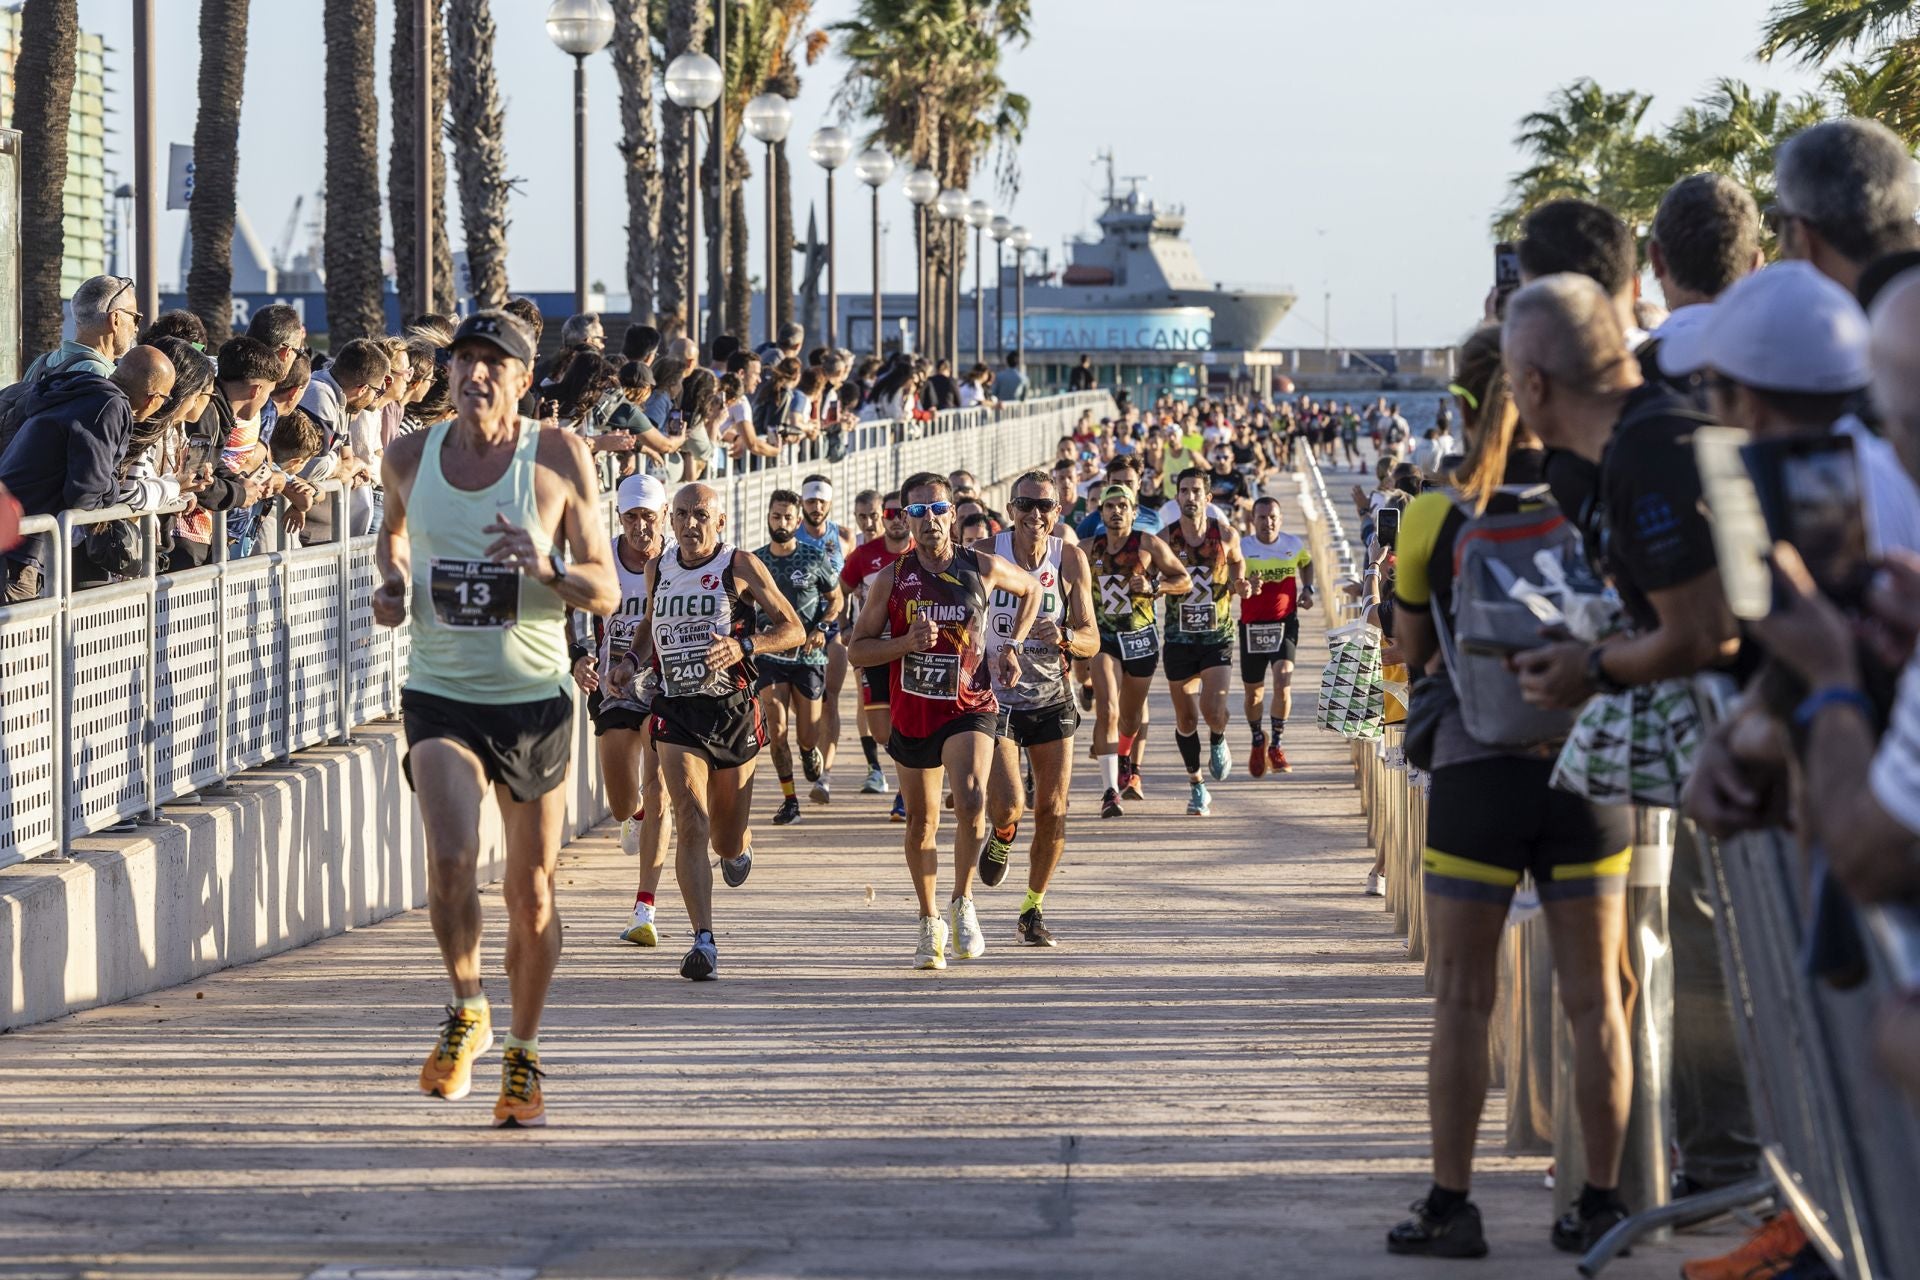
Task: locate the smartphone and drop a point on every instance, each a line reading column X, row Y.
column 1386, row 524
column 202, row 454
column 1506, row 274
column 676, row 423
column 1809, row 492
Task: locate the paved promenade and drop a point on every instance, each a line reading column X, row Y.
column 1220, row 1072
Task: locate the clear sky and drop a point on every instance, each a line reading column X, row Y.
column 1357, row 149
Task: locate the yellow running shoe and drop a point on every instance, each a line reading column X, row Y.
column 464, row 1036
column 519, row 1102
column 640, row 930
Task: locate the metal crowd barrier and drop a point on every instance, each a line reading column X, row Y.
column 117, row 699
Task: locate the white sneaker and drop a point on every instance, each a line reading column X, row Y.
column 876, row 783
column 1376, row 885
column 640, row 931
column 822, row 792
column 968, row 942
column 630, row 836
column 932, row 952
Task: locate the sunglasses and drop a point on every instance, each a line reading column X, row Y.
column 891, row 513
column 1044, row 505
column 921, row 510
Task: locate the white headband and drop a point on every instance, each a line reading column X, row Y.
column 816, row 489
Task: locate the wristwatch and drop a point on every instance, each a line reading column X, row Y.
column 559, row 563
column 1597, row 672
column 746, row 646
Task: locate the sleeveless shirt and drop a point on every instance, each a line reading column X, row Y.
column 1205, row 614
column 933, row 688
column 1043, row 667
column 690, row 608
column 1116, row 608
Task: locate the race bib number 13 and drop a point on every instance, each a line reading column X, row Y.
column 474, row 594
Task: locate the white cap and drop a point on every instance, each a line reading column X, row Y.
column 641, row 490
column 1786, row 328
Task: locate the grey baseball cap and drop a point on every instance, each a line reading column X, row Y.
column 503, row 330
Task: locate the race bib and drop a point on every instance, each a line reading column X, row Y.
column 1265, row 637
column 1135, row 645
column 684, row 669
column 931, row 675
column 621, row 629
column 474, row 594
column 1196, row 617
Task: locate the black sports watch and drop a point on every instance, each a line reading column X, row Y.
column 559, row 563
column 1597, row 672
column 746, row 646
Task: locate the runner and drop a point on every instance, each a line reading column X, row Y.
column 925, row 621
column 1200, row 635
column 1036, row 712
column 1130, row 569
column 706, row 720
column 796, row 683
column 856, row 581
column 629, row 765
column 1278, row 584
column 818, row 530
column 477, row 510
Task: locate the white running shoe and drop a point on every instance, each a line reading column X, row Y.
column 876, row 783
column 822, row 792
column 630, row 836
column 640, row 930
column 968, row 942
column 1376, row 885
column 932, row 952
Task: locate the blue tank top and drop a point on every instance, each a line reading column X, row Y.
column 829, row 544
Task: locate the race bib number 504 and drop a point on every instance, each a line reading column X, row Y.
column 474, row 594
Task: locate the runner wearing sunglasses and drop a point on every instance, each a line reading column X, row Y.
column 1200, row 634
column 925, row 620
column 856, row 580
column 1036, row 710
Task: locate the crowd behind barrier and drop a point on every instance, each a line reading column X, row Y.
column 1841, row 1145
column 119, row 698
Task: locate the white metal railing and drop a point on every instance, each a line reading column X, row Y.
column 117, row 699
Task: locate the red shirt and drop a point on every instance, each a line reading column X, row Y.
column 865, row 564
column 934, row 688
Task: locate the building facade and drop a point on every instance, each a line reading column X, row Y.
column 87, row 190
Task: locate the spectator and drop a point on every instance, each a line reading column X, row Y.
column 178, row 323
column 247, row 371
column 669, row 373
column 743, row 442
column 946, row 392
column 105, row 325
column 430, row 397
column 1011, row 384
column 291, row 389
column 74, row 433
column 702, row 412
column 1845, row 193
column 336, row 395
column 153, row 473
column 792, row 335
column 1580, row 237
column 1706, row 235
column 1081, row 379
column 640, row 342
column 294, row 446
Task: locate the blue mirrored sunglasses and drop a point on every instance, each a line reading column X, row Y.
column 921, row 510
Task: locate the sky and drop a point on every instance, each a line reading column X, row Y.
column 1356, row 151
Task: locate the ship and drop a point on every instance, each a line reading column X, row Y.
column 1141, row 262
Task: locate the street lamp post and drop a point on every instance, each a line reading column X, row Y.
column 1000, row 228
column 829, row 148
column 874, row 167
column 693, row 84
column 1020, row 238
column 923, row 187
column 979, row 216
column 768, row 117
column 578, row 27
column 951, row 205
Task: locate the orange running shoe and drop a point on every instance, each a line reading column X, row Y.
column 1278, row 759
column 464, row 1036
column 1767, row 1252
column 520, row 1104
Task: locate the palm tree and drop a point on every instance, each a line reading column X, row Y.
column 1883, row 84
column 43, row 97
column 686, row 29
column 355, row 282
column 1735, row 131
column 1886, row 89
column 479, row 153
column 640, row 149
column 216, row 164
column 401, row 197
column 1588, row 145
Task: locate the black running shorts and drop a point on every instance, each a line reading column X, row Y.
column 1490, row 820
column 874, row 691
column 1186, row 661
column 1032, row 726
column 1253, row 666
column 622, row 718
column 1138, row 668
column 727, row 731
column 523, row 746
column 925, row 753
column 806, row 681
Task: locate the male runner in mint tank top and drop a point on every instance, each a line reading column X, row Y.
column 477, row 512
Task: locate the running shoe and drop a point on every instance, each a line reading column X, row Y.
column 1277, row 758
column 1220, row 761
column 876, row 783
column 993, row 856
column 899, row 810
column 810, row 764
column 789, row 812
column 1198, row 801
column 735, row 870
column 640, row 930
column 1130, row 780
column 968, row 942
column 1576, row 1232
column 822, row 792
column 520, row 1105
column 1257, row 758
column 1086, row 697
column 1376, row 885
column 1110, row 804
column 702, row 960
column 1458, row 1235
column 1032, row 930
column 464, row 1036
column 932, row 952
column 630, row 836
column 1768, row 1252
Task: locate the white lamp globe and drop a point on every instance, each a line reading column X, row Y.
column 768, row 117
column 951, row 204
column 874, row 166
column 1020, row 238
column 830, row 146
column 1001, row 227
column 580, row 27
column 979, row 214
column 922, row 186
column 693, row 81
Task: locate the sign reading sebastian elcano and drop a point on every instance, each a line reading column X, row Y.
column 1169, row 329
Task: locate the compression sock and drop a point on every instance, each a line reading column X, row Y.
column 1110, row 771
column 1442, row 1203
column 531, row 1046
column 1593, row 1199
column 643, row 899
column 1033, row 900
column 470, row 1002
column 872, row 748
column 1126, row 745
column 1215, row 739
column 1189, row 744
column 1279, row 724
column 786, row 787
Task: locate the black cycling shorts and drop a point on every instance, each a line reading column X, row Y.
column 1186, row 661
column 523, row 746
column 1032, row 726
column 1253, row 666
column 624, row 716
column 1490, row 820
column 727, row 731
column 1138, row 668
column 925, row 753
column 806, row 681
column 874, row 690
